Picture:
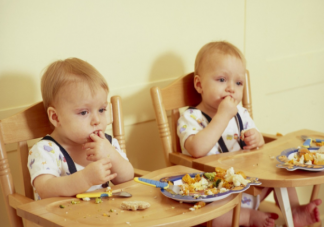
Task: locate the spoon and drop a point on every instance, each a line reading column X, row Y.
column 104, row 194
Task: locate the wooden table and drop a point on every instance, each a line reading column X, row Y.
column 261, row 163
column 163, row 211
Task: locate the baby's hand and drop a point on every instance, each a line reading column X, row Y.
column 99, row 147
column 99, row 172
column 252, row 139
column 228, row 107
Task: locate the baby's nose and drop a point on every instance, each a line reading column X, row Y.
column 95, row 119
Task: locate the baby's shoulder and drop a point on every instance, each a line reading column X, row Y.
column 45, row 145
column 192, row 112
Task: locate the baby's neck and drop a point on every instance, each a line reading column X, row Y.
column 75, row 150
column 209, row 111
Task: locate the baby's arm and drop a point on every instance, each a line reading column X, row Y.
column 101, row 148
column 198, row 145
column 253, row 138
column 95, row 173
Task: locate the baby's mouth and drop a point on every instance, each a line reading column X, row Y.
column 226, row 96
column 96, row 132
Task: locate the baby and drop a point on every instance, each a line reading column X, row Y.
column 218, row 124
column 77, row 156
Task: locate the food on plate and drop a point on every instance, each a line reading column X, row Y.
column 213, row 183
column 134, row 205
column 307, row 157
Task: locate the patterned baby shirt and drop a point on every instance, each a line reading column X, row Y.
column 45, row 157
column 192, row 121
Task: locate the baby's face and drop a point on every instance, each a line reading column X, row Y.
column 80, row 113
column 221, row 76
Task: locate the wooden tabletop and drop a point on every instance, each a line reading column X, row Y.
column 261, row 163
column 163, row 211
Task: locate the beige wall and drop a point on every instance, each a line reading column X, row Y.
column 139, row 44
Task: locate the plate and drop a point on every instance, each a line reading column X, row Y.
column 177, row 180
column 286, row 155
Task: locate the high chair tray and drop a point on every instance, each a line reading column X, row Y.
column 192, row 198
column 288, row 154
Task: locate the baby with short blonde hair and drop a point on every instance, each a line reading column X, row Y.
column 77, row 156
column 217, row 125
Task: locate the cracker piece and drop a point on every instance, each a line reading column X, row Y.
column 134, row 205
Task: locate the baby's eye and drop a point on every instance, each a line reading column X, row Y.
column 102, row 110
column 221, row 79
column 239, row 83
column 83, row 113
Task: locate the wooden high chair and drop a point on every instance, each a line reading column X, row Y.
column 182, row 93
column 33, row 123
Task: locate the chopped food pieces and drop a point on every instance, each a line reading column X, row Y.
column 86, row 199
column 305, row 157
column 212, row 183
column 134, row 205
column 62, row 206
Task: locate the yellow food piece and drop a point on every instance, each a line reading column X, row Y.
column 242, row 174
column 316, row 162
column 291, row 161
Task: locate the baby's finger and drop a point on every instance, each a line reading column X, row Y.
column 94, row 137
column 110, row 177
column 101, row 135
column 90, row 151
column 107, row 166
column 248, row 147
column 93, row 158
column 248, row 133
column 88, row 145
column 249, row 140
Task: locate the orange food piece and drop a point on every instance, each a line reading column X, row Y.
column 197, row 178
column 200, row 204
column 308, row 157
column 220, row 170
column 227, row 185
column 187, row 179
column 303, row 151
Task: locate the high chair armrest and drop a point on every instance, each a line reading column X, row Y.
column 181, row 159
column 140, row 172
column 270, row 137
column 16, row 199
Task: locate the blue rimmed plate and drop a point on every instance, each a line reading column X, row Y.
column 288, row 154
column 177, row 180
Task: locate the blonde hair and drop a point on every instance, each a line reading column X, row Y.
column 222, row 47
column 63, row 72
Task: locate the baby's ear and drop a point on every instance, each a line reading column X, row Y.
column 52, row 116
column 197, row 83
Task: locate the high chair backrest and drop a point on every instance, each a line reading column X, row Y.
column 178, row 94
column 33, row 123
